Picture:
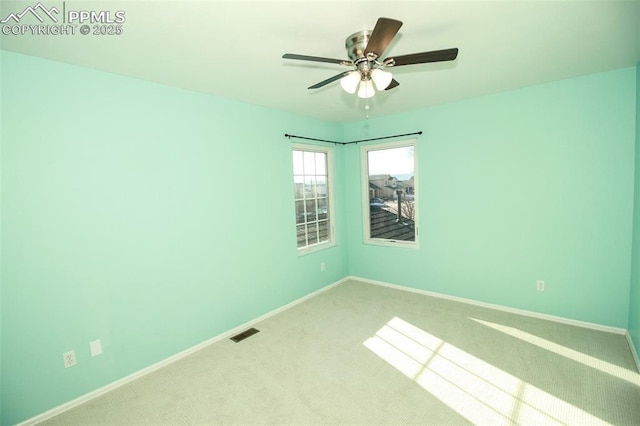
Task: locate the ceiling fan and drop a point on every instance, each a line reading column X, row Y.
column 365, row 49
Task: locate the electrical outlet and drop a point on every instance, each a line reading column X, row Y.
column 540, row 285
column 323, row 267
column 69, row 359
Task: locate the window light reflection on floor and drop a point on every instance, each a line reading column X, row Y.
column 605, row 367
column 477, row 390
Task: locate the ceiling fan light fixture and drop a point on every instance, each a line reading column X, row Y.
column 382, row 79
column 366, row 89
column 365, row 50
column 350, row 82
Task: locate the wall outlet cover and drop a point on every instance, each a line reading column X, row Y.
column 69, row 359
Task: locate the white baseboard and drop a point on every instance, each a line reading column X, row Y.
column 633, row 350
column 154, row 367
column 150, row 369
column 562, row 320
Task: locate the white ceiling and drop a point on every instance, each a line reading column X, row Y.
column 234, row 49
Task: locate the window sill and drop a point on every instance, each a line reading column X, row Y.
column 312, row 249
column 392, row 243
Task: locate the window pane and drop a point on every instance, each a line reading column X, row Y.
column 309, row 163
column 322, row 208
column 310, row 186
column 321, row 163
column 312, row 233
column 392, row 209
column 301, row 235
column 300, row 216
column 323, row 229
column 298, row 165
column 310, row 210
column 298, row 182
column 321, row 186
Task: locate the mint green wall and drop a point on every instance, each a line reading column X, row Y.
column 634, row 302
column 149, row 217
column 154, row 218
column 524, row 185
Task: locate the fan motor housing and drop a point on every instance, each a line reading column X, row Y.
column 356, row 43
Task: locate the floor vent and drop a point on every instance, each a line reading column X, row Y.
column 247, row 333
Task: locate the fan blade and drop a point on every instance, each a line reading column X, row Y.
column 393, row 84
column 384, row 31
column 316, row 59
column 425, row 57
column 329, row 80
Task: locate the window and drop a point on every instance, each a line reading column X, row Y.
column 313, row 194
column 389, row 194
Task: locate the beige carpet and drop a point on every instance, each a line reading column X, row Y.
column 364, row 354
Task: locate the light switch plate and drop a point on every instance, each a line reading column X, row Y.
column 96, row 347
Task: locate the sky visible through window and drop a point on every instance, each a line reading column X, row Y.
column 397, row 162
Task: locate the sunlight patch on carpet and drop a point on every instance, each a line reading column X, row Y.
column 598, row 364
column 477, row 390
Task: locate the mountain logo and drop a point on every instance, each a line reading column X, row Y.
column 38, row 11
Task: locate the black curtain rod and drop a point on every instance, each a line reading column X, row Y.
column 286, row 135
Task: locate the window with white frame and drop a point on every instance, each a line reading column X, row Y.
column 313, row 195
column 390, row 178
